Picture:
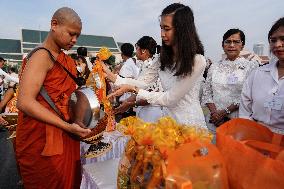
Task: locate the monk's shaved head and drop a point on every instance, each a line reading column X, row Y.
column 66, row 14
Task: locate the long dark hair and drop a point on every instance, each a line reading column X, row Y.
column 186, row 39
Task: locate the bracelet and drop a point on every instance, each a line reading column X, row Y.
column 135, row 104
column 227, row 111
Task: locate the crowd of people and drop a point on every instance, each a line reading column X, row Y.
column 166, row 80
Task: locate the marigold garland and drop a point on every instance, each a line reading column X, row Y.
column 166, row 133
column 100, row 86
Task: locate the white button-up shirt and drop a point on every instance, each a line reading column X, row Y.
column 262, row 97
column 128, row 70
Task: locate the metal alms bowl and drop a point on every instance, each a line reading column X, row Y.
column 85, row 107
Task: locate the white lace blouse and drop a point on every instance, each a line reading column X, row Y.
column 224, row 82
column 180, row 95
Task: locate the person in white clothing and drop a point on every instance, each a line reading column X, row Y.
column 7, row 78
column 129, row 68
column 262, row 97
column 145, row 51
column 180, row 69
column 224, row 81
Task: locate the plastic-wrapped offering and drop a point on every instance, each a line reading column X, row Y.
column 169, row 155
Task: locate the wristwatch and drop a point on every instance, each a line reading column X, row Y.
column 236, row 103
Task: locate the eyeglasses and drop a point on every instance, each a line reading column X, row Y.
column 273, row 40
column 235, row 42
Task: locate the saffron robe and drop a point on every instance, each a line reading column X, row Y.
column 47, row 156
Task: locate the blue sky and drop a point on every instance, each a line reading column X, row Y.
column 128, row 20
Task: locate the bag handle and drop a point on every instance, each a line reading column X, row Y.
column 274, row 148
column 47, row 98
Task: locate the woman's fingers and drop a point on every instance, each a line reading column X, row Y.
column 120, row 91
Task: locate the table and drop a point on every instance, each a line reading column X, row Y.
column 101, row 172
column 118, row 143
column 100, row 175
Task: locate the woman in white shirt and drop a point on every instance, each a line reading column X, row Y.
column 180, row 68
column 129, row 68
column 145, row 51
column 262, row 96
column 224, row 82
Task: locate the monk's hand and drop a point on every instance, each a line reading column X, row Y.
column 123, row 107
column 121, row 90
column 3, row 121
column 108, row 73
column 78, row 130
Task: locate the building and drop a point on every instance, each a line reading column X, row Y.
column 10, row 50
column 14, row 50
column 258, row 49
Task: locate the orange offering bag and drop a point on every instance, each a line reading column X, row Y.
column 196, row 165
column 253, row 154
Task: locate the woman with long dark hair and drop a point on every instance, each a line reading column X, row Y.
column 180, row 68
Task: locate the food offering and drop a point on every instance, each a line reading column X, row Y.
column 169, row 155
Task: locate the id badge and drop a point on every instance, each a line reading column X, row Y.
column 268, row 103
column 277, row 104
column 232, row 79
column 274, row 103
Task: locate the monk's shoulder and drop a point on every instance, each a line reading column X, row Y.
column 41, row 58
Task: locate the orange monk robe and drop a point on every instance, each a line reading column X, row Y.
column 48, row 157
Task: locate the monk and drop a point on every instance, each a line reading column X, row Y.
column 47, row 152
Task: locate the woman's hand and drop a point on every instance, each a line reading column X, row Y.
column 111, row 76
column 77, row 130
column 217, row 117
column 121, row 90
column 123, row 107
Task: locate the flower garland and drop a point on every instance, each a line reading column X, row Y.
column 165, row 134
column 100, row 86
